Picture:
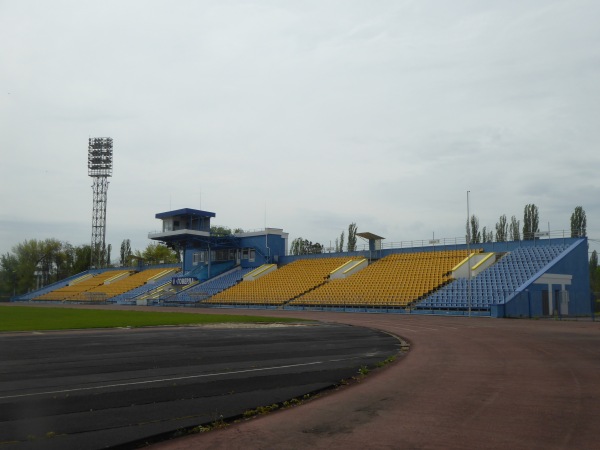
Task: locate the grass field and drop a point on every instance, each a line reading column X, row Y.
column 23, row 318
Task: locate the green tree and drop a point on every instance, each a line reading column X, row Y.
column 72, row 260
column 68, row 252
column 35, row 263
column 530, row 221
column 219, row 230
column 502, row 229
column 315, row 248
column 157, row 253
column 487, row 236
column 578, row 222
column 29, row 255
column 81, row 260
column 300, row 246
column 352, row 237
column 296, row 246
column 515, row 229
column 178, row 249
column 594, row 272
column 108, row 251
column 473, row 233
column 125, row 253
column 8, row 274
column 341, row 242
column 594, row 261
column 103, row 252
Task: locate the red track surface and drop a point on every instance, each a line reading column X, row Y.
column 467, row 383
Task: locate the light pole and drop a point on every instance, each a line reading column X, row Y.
column 468, row 255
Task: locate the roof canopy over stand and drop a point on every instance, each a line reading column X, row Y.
column 374, row 240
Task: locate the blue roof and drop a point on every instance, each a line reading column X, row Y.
column 184, row 212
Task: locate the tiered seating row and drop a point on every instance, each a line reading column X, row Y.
column 171, row 294
column 76, row 290
column 201, row 272
column 160, row 292
column 396, row 280
column 281, row 285
column 105, row 285
column 495, row 284
column 209, row 288
column 120, row 286
column 54, row 286
column 152, row 283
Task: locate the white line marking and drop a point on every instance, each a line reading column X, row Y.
column 162, row 380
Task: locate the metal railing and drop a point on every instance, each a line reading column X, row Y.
column 441, row 242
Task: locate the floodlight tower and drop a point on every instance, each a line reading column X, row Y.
column 100, row 164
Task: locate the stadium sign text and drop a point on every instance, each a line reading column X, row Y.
column 183, row 281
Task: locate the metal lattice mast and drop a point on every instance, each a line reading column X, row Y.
column 100, row 164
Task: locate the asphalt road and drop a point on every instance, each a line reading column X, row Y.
column 96, row 389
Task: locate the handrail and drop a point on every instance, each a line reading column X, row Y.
column 488, row 256
column 357, row 263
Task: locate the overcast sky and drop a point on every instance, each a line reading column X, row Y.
column 301, row 115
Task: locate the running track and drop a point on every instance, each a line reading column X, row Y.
column 467, row 383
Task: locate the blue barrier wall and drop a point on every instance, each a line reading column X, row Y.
column 574, row 262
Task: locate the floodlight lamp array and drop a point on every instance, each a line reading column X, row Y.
column 100, row 157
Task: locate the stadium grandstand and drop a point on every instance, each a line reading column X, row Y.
column 106, row 285
column 399, row 279
column 528, row 278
